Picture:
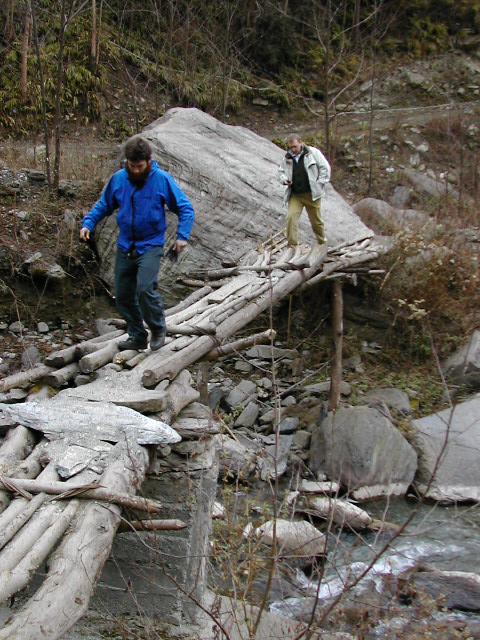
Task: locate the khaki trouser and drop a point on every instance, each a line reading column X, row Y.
column 295, row 206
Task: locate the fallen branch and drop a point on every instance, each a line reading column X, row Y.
column 151, row 525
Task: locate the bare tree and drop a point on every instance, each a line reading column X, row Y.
column 27, row 30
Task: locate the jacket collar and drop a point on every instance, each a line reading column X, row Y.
column 305, row 150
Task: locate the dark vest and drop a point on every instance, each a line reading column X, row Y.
column 300, row 183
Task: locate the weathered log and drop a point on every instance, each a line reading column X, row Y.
column 192, row 282
column 25, row 378
column 243, row 343
column 188, row 301
column 94, row 361
column 77, row 561
column 61, row 376
column 16, row 578
column 151, row 525
column 63, row 491
column 17, row 445
column 136, row 360
column 13, row 519
column 179, row 394
column 122, row 357
column 69, row 354
column 207, row 328
column 182, row 343
column 28, row 468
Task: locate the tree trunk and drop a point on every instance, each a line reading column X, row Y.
column 58, row 94
column 337, row 327
column 93, row 38
column 27, row 29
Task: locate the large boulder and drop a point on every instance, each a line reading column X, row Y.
column 230, row 175
column 360, row 448
column 463, row 366
column 448, row 443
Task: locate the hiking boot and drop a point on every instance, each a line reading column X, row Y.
column 157, row 339
column 133, row 343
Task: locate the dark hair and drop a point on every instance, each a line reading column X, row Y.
column 138, row 149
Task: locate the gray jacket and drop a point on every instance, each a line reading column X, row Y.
column 318, row 171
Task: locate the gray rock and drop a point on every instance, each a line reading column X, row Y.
column 82, row 379
column 415, row 78
column 288, row 401
column 457, row 589
column 433, row 187
column 288, row 425
column 310, row 486
column 463, row 367
column 266, row 352
column 236, row 458
column 296, row 541
column 447, row 443
column 249, row 415
column 274, row 460
column 240, row 394
column 301, row 439
column 31, row 356
column 243, row 366
column 401, row 197
column 55, row 272
column 393, row 398
column 323, row 388
column 266, row 383
column 249, row 211
column 215, row 395
column 16, row 327
column 42, row 327
column 341, row 512
column 360, row 448
column 271, row 414
column 379, row 213
column 36, row 176
column 354, row 363
column 13, row 395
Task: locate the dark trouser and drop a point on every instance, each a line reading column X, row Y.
column 136, row 292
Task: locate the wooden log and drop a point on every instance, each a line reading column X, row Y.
column 77, row 561
column 151, row 525
column 24, row 379
column 122, row 357
column 206, row 328
column 182, row 343
column 61, row 376
column 94, row 361
column 28, row 468
column 191, row 282
column 179, row 394
column 170, row 367
column 17, row 445
column 243, row 343
column 69, row 354
column 190, row 312
column 189, row 300
column 337, row 326
column 16, row 578
column 67, row 490
column 13, row 518
column 130, row 364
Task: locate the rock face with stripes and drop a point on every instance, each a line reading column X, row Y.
column 230, row 175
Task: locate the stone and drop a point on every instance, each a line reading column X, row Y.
column 271, row 414
column 249, row 211
column 42, row 327
column 243, row 366
column 384, row 217
column 447, row 443
column 288, row 425
column 82, row 379
column 426, row 185
column 298, row 541
column 301, row 439
column 273, row 461
column 249, row 415
column 455, row 589
column 361, row 449
column 16, row 327
column 36, row 176
column 240, row 394
column 236, row 459
column 463, row 366
column 215, row 395
column 323, row 388
column 266, row 352
column 341, row 512
column 393, row 398
column 288, row 401
column 31, row 356
column 13, row 395
column 266, row 383
column 401, row 197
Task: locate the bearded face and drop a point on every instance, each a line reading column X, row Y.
column 138, row 171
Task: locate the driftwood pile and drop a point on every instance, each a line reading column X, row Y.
column 69, row 465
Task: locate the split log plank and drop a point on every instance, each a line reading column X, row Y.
column 189, row 300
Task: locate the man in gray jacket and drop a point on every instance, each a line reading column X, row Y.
column 305, row 171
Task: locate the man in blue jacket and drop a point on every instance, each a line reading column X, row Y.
column 140, row 192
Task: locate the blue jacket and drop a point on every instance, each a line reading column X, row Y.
column 141, row 213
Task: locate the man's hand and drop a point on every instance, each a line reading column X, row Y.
column 84, row 234
column 180, row 246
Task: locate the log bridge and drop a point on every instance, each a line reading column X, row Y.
column 72, row 467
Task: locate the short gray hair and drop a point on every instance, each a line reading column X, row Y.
column 294, row 137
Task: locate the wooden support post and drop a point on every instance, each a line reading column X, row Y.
column 337, row 328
